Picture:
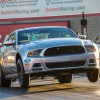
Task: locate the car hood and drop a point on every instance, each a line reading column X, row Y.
column 54, row 42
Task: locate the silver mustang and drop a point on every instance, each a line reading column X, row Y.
column 56, row 51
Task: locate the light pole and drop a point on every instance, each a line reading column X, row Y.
column 84, row 25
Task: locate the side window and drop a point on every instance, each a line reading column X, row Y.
column 12, row 37
column 97, row 40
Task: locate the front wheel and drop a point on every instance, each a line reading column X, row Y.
column 65, row 78
column 92, row 74
column 22, row 77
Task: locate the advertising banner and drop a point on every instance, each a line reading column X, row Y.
column 43, row 8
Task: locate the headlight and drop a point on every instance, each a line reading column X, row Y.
column 34, row 53
column 90, row 48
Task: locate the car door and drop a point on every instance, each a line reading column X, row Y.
column 9, row 52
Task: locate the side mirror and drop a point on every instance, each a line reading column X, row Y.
column 9, row 43
column 82, row 37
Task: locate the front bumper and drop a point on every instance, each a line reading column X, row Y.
column 39, row 64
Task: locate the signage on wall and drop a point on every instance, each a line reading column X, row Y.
column 34, row 8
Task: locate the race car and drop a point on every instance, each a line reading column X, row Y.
column 55, row 51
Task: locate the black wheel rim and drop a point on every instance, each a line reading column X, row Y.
column 20, row 76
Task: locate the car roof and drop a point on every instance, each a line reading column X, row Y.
column 41, row 27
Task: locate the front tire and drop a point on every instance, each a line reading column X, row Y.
column 3, row 81
column 65, row 78
column 22, row 77
column 92, row 74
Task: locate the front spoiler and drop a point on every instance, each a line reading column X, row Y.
column 68, row 70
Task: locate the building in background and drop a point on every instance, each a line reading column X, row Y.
column 15, row 14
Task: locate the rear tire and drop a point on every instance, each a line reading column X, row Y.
column 65, row 78
column 22, row 77
column 92, row 74
column 3, row 81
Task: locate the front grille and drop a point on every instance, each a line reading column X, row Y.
column 64, row 50
column 65, row 64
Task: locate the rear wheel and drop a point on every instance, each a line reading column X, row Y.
column 92, row 74
column 65, row 78
column 22, row 77
column 3, row 81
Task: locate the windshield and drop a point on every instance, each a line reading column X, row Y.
column 44, row 33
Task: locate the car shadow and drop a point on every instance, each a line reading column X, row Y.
column 33, row 89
